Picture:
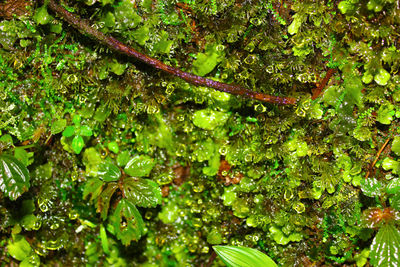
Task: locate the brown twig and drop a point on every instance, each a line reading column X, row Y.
column 118, row 46
column 377, row 156
column 317, row 91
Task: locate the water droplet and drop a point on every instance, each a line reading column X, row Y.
column 270, row 69
column 255, row 21
column 43, row 204
column 260, row 108
column 299, row 207
column 250, row 59
column 170, row 89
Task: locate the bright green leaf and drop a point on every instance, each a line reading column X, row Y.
column 69, row 131
column 209, row 119
column 382, row 77
column 139, row 166
column 86, row 130
column 396, row 145
column 42, row 16
column 92, row 187
column 385, row 247
column 243, row 257
column 385, row 113
column 19, row 249
column 108, row 172
column 206, row 62
column 14, row 177
column 113, row 147
column 142, row 192
column 393, row 186
column 391, row 164
column 77, row 144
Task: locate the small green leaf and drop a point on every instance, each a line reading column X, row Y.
column 77, row 144
column 371, row 187
column 86, row 130
column 139, row 166
column 385, row 247
column 19, row 249
column 382, row 77
column 142, row 192
column 127, row 222
column 14, row 177
column 104, row 239
column 385, row 114
column 42, row 16
column 209, row 119
column 108, row 172
column 206, row 62
column 295, row 25
column 58, row 126
column 76, row 119
column 396, row 145
column 123, row 158
column 113, row 147
column 391, row 164
column 243, row 257
column 69, row 131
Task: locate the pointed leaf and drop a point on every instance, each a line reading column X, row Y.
column 109, row 172
column 142, row 192
column 243, row 257
column 58, row 126
column 385, row 247
column 139, row 166
column 19, row 249
column 14, row 177
column 127, row 222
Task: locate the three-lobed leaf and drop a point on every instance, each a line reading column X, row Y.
column 385, row 247
column 234, row 256
column 14, row 176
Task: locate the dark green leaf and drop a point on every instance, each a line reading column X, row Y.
column 14, row 177
column 103, row 202
column 371, row 187
column 127, row 222
column 385, row 247
column 109, row 172
column 243, row 257
column 93, row 187
column 139, row 166
column 395, row 201
column 142, row 192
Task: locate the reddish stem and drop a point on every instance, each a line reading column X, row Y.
column 118, row 46
column 317, row 91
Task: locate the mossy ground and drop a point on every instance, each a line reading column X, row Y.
column 104, row 137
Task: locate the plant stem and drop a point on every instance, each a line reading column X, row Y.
column 118, row 46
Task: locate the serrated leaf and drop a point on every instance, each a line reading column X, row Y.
column 127, row 222
column 109, row 172
column 139, row 166
column 243, row 257
column 92, row 187
column 142, row 192
column 69, row 131
column 103, row 202
column 371, row 187
column 77, row 144
column 14, row 177
column 385, row 247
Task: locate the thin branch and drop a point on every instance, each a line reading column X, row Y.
column 317, row 91
column 120, row 47
column 377, row 156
